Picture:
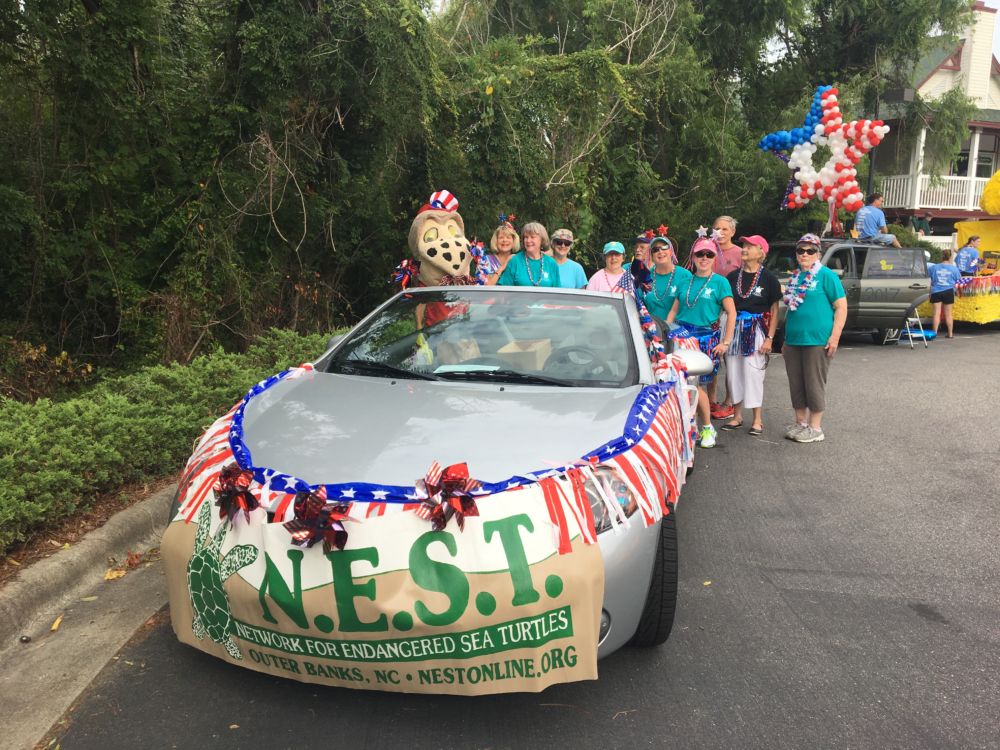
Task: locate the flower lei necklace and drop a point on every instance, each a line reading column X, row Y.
column 670, row 281
column 687, row 295
column 798, row 285
column 753, row 284
column 527, row 265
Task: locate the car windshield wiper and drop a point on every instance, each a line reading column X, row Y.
column 510, row 376
column 369, row 366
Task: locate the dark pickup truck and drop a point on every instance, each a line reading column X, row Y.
column 884, row 285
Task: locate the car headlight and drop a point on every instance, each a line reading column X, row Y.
column 611, row 501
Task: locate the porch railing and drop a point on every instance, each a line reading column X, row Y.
column 947, row 192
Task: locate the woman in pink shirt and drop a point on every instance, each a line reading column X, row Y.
column 609, row 278
column 730, row 257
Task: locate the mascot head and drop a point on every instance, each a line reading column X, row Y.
column 437, row 241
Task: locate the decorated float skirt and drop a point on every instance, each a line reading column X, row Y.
column 977, row 300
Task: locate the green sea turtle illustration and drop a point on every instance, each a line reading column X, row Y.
column 206, row 571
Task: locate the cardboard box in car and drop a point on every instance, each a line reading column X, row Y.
column 529, row 354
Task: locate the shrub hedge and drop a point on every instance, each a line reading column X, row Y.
column 55, row 458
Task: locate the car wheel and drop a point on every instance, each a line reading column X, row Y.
column 661, row 601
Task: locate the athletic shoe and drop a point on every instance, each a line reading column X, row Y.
column 795, row 429
column 809, row 435
column 722, row 411
column 708, row 435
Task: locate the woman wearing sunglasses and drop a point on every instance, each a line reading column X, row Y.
column 817, row 310
column 697, row 309
column 666, row 281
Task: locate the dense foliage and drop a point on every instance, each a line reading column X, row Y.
column 55, row 457
column 187, row 173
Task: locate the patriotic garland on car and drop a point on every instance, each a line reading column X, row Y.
column 646, row 457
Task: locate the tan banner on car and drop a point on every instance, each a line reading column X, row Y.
column 489, row 609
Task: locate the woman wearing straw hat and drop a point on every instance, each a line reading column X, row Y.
column 698, row 307
column 756, row 293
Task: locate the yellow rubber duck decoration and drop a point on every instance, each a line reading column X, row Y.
column 990, row 202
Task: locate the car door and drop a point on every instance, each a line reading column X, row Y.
column 893, row 280
column 840, row 260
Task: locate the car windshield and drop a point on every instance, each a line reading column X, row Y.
column 495, row 335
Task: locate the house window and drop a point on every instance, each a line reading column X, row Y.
column 986, row 163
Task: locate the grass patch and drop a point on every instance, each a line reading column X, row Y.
column 56, row 457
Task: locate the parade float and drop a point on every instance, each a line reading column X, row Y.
column 977, row 298
column 391, row 519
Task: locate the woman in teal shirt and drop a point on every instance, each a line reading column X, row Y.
column 667, row 279
column 817, row 311
column 530, row 267
column 698, row 307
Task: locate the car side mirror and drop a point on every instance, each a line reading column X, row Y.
column 697, row 363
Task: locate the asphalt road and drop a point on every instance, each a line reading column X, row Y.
column 840, row 594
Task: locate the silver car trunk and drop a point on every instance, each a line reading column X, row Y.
column 336, row 429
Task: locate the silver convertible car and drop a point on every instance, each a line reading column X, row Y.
column 540, row 459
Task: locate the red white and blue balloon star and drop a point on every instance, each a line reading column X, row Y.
column 836, row 181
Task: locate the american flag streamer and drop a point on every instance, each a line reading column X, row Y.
column 650, row 460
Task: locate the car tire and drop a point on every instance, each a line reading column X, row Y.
column 661, row 601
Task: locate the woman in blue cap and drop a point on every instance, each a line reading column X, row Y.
column 610, row 278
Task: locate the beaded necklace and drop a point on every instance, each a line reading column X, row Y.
column 753, row 284
column 617, row 284
column 656, row 281
column 687, row 295
column 527, row 265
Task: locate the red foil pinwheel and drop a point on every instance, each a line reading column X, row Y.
column 444, row 493
column 232, row 493
column 317, row 518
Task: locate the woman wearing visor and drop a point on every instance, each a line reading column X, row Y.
column 697, row 309
column 665, row 281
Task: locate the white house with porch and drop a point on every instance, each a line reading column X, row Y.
column 970, row 65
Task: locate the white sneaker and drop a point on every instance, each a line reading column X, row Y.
column 708, row 436
column 809, row 435
column 794, row 430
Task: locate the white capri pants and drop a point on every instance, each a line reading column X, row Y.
column 745, row 375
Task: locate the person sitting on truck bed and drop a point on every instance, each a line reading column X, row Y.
column 870, row 222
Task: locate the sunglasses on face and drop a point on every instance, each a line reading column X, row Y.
column 704, row 254
column 806, row 251
column 562, row 243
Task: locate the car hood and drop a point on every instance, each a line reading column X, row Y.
column 333, row 429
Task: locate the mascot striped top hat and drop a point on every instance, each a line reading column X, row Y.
column 440, row 200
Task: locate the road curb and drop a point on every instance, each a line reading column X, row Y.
column 65, row 575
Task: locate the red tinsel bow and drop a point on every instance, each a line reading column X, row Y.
column 232, row 493
column 649, row 234
column 405, row 272
column 445, row 493
column 456, row 280
column 316, row 518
